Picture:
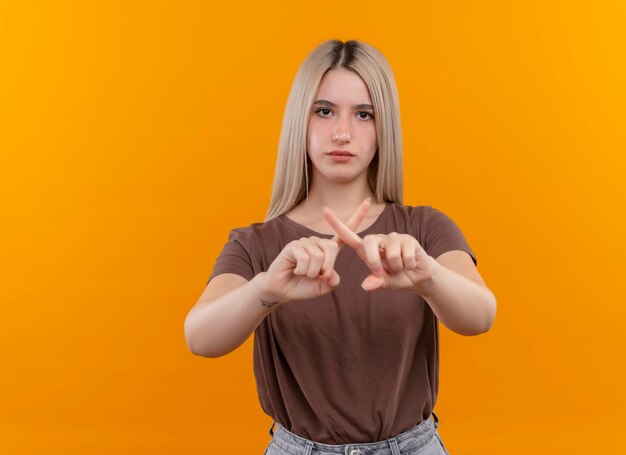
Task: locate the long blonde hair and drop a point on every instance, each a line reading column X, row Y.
column 292, row 176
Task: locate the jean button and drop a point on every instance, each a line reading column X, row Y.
column 355, row 452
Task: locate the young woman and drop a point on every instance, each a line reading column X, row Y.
column 342, row 284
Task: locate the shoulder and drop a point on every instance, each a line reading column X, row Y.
column 427, row 222
column 420, row 209
column 424, row 215
column 438, row 232
column 415, row 213
column 258, row 231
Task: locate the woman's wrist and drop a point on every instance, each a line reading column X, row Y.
column 425, row 287
column 266, row 297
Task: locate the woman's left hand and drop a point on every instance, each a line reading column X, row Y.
column 397, row 261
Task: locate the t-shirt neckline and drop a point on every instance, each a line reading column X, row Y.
column 303, row 228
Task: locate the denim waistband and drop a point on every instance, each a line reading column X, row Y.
column 408, row 441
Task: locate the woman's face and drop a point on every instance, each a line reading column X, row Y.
column 341, row 119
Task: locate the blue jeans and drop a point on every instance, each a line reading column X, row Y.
column 422, row 439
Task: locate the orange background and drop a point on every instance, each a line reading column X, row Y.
column 135, row 135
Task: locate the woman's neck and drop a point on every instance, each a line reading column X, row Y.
column 342, row 199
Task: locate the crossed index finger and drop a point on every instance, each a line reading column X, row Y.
column 353, row 223
column 345, row 234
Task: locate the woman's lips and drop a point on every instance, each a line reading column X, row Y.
column 340, row 158
column 341, row 152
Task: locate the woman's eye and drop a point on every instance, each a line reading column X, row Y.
column 368, row 115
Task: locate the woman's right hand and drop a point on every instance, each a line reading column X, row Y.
column 305, row 268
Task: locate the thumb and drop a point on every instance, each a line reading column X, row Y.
column 372, row 282
column 331, row 278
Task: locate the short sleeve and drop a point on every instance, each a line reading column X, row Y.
column 235, row 256
column 439, row 233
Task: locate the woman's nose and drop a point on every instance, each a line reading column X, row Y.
column 342, row 131
column 341, row 137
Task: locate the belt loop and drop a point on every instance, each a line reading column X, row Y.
column 308, row 448
column 393, row 444
column 436, row 420
column 272, row 428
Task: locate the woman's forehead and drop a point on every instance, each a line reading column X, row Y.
column 343, row 87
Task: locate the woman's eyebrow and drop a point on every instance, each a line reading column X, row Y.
column 331, row 104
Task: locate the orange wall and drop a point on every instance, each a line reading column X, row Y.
column 135, row 135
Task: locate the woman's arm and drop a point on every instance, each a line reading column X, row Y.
column 457, row 294
column 226, row 314
column 231, row 308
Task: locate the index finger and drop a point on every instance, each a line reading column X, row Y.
column 344, row 232
column 355, row 220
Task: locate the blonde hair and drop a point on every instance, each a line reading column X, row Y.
column 293, row 167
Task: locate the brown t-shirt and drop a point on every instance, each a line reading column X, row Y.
column 351, row 366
